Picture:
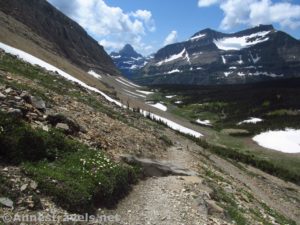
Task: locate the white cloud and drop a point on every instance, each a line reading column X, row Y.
column 108, row 23
column 205, row 3
column 171, row 38
column 255, row 12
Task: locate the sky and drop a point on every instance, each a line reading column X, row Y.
column 149, row 25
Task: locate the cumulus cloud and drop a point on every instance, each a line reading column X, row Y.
column 171, row 38
column 108, row 23
column 255, row 12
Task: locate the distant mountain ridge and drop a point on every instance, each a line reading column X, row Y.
column 210, row 57
column 71, row 41
column 128, row 60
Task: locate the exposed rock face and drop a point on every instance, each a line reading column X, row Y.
column 156, row 168
column 71, row 40
column 210, row 57
column 128, row 60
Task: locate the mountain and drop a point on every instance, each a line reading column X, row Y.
column 211, row 57
column 128, row 60
column 68, row 39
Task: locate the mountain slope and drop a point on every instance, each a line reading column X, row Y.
column 69, row 40
column 210, row 57
column 128, row 60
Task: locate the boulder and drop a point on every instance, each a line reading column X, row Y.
column 213, row 208
column 2, row 96
column 73, row 126
column 7, row 202
column 62, row 126
column 157, row 168
column 38, row 103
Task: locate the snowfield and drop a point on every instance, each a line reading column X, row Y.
column 287, row 141
column 145, row 92
column 159, row 106
column 237, row 43
column 204, row 122
column 171, row 124
column 197, row 37
column 251, row 120
column 94, row 74
column 172, row 58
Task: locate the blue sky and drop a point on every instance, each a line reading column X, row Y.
column 150, row 24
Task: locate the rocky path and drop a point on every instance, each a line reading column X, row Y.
column 175, row 200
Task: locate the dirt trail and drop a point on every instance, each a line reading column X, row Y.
column 168, row 200
column 179, row 200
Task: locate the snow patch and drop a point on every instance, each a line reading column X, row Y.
column 178, row 102
column 197, row 37
column 36, row 61
column 116, row 57
column 159, row 106
column 145, row 92
column 223, row 59
column 204, row 122
column 94, row 74
column 287, row 140
column 128, row 82
column 227, row 73
column 172, row 58
column 171, row 124
column 173, row 71
column 170, row 96
column 135, row 94
column 237, row 43
column 233, row 68
column 251, row 120
column 241, row 74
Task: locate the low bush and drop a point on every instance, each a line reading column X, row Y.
column 77, row 177
column 83, row 180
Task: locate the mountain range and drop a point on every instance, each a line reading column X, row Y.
column 210, row 57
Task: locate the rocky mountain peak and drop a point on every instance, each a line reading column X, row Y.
column 128, row 50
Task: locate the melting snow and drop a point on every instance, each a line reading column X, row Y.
column 227, row 73
column 172, row 58
column 197, row 37
column 172, row 125
column 170, row 96
column 135, row 94
column 128, row 82
column 257, row 73
column 145, row 92
column 159, row 106
column 94, row 74
column 251, row 120
column 173, row 71
column 223, row 59
column 240, row 60
column 287, row 141
column 203, row 122
column 36, row 61
column 237, row 43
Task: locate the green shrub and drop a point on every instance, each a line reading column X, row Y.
column 83, row 180
column 22, row 143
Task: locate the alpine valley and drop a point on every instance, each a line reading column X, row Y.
column 205, row 131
